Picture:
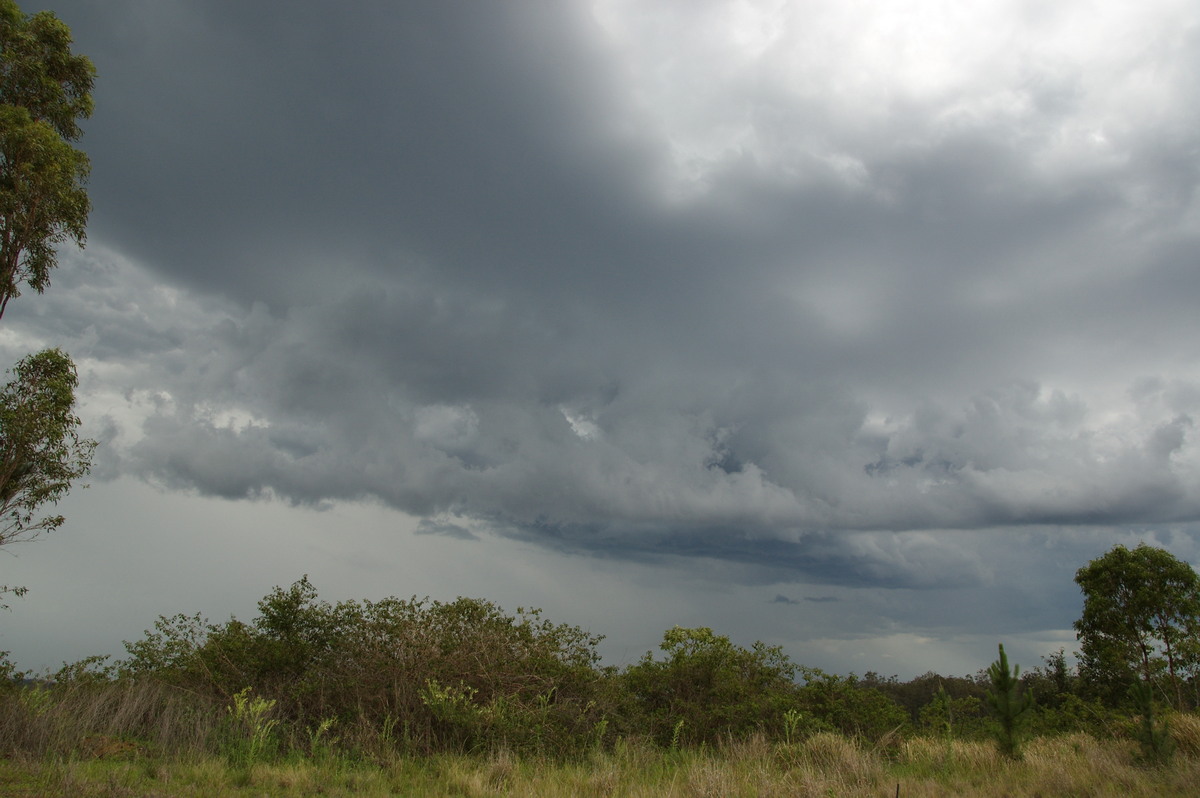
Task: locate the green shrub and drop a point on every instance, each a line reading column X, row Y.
column 846, row 706
column 708, row 689
column 531, row 684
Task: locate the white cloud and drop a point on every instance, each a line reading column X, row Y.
column 791, row 85
column 581, row 425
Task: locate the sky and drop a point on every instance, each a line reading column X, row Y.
column 851, row 327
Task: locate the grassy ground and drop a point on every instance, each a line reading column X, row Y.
column 823, row 765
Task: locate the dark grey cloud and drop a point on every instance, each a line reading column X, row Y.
column 629, row 289
column 428, row 527
column 258, row 141
column 782, row 599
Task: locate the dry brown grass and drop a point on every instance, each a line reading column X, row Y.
column 1185, row 730
column 1069, row 765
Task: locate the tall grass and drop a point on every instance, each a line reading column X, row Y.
column 826, row 765
column 73, row 718
column 134, row 738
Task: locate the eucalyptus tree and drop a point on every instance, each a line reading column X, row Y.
column 41, row 451
column 1141, row 613
column 45, row 90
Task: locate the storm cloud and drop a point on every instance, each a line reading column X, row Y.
column 825, row 292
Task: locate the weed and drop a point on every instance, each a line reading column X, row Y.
column 252, row 730
column 676, row 733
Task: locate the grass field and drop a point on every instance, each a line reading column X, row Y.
column 822, row 765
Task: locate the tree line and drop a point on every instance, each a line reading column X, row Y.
column 425, row 676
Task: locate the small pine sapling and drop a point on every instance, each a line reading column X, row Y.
column 1009, row 704
column 1151, row 732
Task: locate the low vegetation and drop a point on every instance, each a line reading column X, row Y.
column 419, row 697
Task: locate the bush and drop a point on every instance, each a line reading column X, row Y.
column 961, row 718
column 848, row 707
column 708, row 689
column 379, row 667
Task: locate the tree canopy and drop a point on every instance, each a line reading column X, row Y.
column 1141, row 612
column 44, row 91
column 41, row 452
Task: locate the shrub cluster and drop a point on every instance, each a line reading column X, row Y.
column 421, row 674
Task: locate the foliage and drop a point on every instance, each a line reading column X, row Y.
column 16, row 590
column 251, row 727
column 421, row 676
column 1052, row 682
column 44, row 91
column 952, row 717
column 938, row 714
column 1010, row 705
column 520, row 682
column 1140, row 615
column 706, row 688
column 41, row 452
column 1152, row 731
column 10, row 677
column 916, row 694
column 843, row 704
column 1073, row 714
column 91, row 670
